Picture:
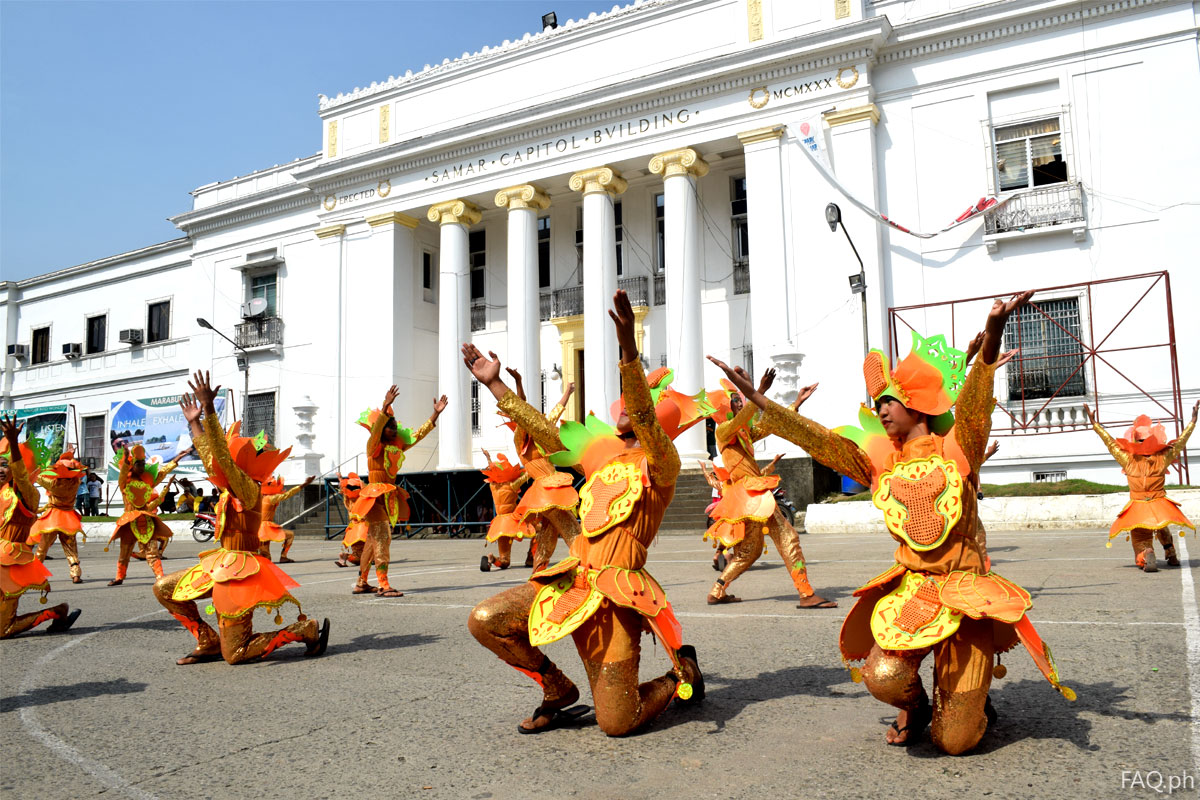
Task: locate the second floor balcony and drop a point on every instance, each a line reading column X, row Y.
column 1057, row 206
column 259, row 332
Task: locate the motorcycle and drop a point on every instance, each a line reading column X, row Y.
column 204, row 527
column 785, row 504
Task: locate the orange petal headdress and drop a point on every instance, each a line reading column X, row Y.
column 676, row 411
column 351, row 485
column 928, row 380
column 66, row 466
column 502, row 471
column 1153, row 438
column 722, row 401
column 246, row 455
column 274, row 485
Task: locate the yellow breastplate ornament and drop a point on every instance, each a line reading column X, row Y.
column 921, row 501
column 608, row 497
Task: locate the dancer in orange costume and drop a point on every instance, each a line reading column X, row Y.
column 938, row 597
column 59, row 518
column 383, row 504
column 549, row 503
column 505, row 481
column 271, row 531
column 235, row 576
column 601, row 595
column 1145, row 455
column 140, row 522
column 747, row 511
column 355, row 537
column 20, row 571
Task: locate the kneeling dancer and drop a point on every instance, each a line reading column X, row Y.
column 20, row 571
column 235, row 576
column 939, row 597
column 59, row 517
column 383, row 504
column 601, row 594
column 1145, row 456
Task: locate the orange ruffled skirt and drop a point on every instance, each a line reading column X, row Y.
column 271, row 532
column 54, row 521
column 20, row 571
column 510, row 527
column 747, row 502
column 239, row 582
column 1152, row 515
column 141, row 525
column 394, row 498
column 355, row 532
column 546, row 493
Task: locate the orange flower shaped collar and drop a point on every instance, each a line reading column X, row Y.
column 1144, row 438
column 676, row 411
column 502, row 471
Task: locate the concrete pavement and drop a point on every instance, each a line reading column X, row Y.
column 407, row 704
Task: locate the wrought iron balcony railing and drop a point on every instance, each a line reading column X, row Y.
column 741, row 277
column 545, row 305
column 636, row 289
column 660, row 289
column 1056, row 204
column 478, row 316
column 259, row 332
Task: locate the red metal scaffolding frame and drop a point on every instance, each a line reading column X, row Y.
column 1091, row 352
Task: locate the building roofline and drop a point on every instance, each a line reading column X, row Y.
column 150, row 250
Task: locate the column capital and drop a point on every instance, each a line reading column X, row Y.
column 684, row 161
column 761, row 135
column 461, row 212
column 330, row 231
column 844, row 116
column 524, row 196
column 598, row 179
column 392, row 218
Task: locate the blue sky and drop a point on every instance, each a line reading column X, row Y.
column 111, row 112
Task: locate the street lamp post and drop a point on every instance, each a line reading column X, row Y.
column 243, row 361
column 858, row 283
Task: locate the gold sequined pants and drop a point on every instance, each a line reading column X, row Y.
column 1143, row 540
column 12, row 623
column 70, row 548
column 264, row 547
column 378, row 549
column 149, row 550
column 551, row 526
column 609, row 644
column 962, row 670
column 237, row 641
column 747, row 551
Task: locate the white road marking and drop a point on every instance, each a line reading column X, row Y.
column 1191, row 628
column 56, row 745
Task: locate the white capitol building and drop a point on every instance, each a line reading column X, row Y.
column 503, row 196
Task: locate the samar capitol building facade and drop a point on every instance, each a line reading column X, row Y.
column 503, row 196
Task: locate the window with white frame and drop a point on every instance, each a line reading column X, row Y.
column 264, row 286
column 97, row 334
column 543, row 245
column 477, row 257
column 158, row 321
column 1050, row 363
column 94, row 440
column 427, row 276
column 39, row 350
column 739, row 235
column 1029, row 154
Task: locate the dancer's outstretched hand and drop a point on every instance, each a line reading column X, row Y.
column 738, row 377
column 485, row 370
column 997, row 318
column 1007, row 356
column 622, row 317
column 390, row 396
column 1195, row 411
column 805, row 393
column 973, row 347
column 190, row 406
column 11, row 429
column 518, row 382
column 1087, row 410
column 439, row 405
column 204, row 391
column 992, row 448
column 767, row 379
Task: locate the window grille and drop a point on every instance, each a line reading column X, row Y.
column 1051, row 357
column 740, row 236
column 474, row 407
column 260, row 415
column 1050, row 476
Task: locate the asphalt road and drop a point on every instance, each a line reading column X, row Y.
column 407, row 704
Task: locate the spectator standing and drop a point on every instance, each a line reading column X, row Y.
column 94, row 482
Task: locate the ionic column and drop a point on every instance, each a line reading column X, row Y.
column 454, row 328
column 685, row 340
column 524, row 318
column 601, row 384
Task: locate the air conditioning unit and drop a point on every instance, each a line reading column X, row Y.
column 131, row 336
column 18, row 351
column 254, row 309
column 72, row 350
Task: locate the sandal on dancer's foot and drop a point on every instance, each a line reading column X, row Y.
column 723, row 599
column 556, row 713
column 363, row 588
column 388, row 592
column 116, row 581
column 198, row 658
column 485, row 564
column 64, row 623
column 918, row 719
column 816, row 601
column 286, row 560
column 322, row 642
column 341, row 562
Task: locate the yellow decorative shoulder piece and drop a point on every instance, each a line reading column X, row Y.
column 608, row 497
column 921, row 501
